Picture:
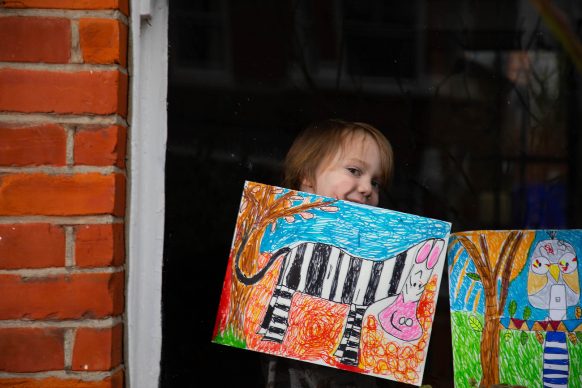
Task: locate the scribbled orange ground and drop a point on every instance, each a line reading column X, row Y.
column 389, row 358
column 315, row 329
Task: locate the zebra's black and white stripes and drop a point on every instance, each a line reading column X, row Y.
column 327, row 272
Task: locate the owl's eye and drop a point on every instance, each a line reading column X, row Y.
column 568, row 263
column 540, row 265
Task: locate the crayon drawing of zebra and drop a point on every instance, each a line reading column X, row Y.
column 389, row 287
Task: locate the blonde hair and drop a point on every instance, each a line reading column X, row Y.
column 321, row 140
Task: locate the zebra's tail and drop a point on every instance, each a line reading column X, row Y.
column 250, row 280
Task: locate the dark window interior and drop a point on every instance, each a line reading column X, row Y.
column 479, row 99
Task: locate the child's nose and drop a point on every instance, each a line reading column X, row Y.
column 365, row 187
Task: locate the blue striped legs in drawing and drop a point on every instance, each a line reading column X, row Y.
column 556, row 360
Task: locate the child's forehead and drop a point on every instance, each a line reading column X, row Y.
column 356, row 139
column 349, row 143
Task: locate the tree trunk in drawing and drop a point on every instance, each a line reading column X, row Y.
column 260, row 208
column 239, row 293
column 493, row 267
column 490, row 344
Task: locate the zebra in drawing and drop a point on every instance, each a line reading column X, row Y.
column 328, row 272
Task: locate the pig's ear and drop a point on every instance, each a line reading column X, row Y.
column 424, row 251
column 435, row 253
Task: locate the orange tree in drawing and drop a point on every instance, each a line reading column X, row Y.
column 261, row 207
column 498, row 258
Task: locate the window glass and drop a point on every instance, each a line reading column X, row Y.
column 480, row 100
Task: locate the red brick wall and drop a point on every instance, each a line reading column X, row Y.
column 63, row 129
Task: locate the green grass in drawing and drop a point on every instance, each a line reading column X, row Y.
column 521, row 358
column 228, row 337
column 466, row 352
column 575, row 359
column 521, row 354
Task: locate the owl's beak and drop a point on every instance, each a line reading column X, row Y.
column 555, row 271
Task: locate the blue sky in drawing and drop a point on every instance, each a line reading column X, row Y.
column 363, row 231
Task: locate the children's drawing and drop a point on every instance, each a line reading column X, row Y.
column 332, row 282
column 515, row 308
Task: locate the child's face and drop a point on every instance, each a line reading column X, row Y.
column 351, row 174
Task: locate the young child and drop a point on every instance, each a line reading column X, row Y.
column 350, row 161
column 345, row 160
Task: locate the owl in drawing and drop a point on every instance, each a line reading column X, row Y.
column 552, row 282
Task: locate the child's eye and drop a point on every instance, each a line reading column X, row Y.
column 376, row 184
column 354, row 171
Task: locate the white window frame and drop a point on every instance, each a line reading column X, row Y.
column 148, row 65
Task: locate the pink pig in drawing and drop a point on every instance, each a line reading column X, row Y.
column 397, row 314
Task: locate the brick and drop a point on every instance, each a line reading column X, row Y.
column 98, row 92
column 38, row 145
column 87, row 295
column 35, row 39
column 97, row 349
column 99, row 245
column 31, row 350
column 115, row 381
column 62, row 195
column 103, row 41
column 100, row 146
column 122, row 5
column 31, row 246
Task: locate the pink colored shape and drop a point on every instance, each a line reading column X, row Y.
column 400, row 321
column 434, row 254
column 423, row 253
